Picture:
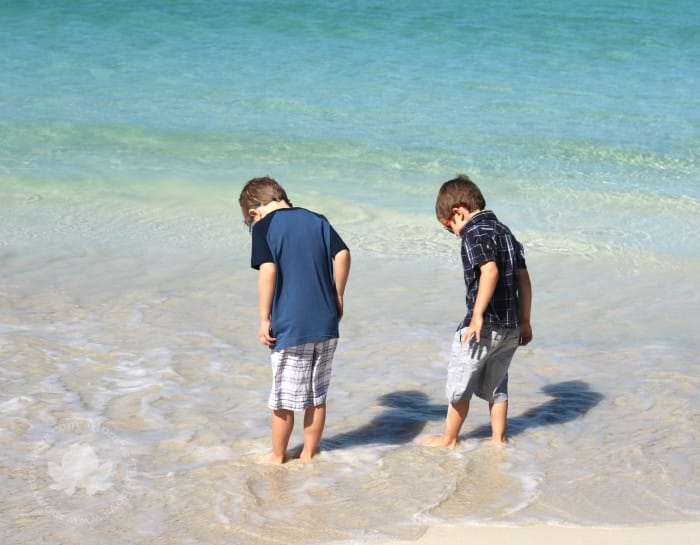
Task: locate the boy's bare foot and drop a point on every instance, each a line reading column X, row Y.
column 272, row 459
column 304, row 456
column 438, row 441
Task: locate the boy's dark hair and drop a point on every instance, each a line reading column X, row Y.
column 458, row 191
column 261, row 191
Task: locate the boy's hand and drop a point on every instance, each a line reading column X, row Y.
column 264, row 333
column 473, row 330
column 525, row 333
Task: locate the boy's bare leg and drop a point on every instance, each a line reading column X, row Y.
column 314, row 422
column 499, row 418
column 282, row 426
column 456, row 415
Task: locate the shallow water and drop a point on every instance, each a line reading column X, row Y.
column 149, row 361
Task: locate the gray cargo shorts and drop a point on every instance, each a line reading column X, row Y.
column 481, row 368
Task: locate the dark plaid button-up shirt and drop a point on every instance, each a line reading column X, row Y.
column 486, row 239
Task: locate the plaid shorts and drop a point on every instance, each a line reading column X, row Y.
column 301, row 375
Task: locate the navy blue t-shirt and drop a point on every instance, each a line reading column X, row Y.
column 302, row 245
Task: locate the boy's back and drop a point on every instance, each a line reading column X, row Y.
column 302, row 245
column 487, row 239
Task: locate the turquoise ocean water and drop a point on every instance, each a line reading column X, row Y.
column 127, row 309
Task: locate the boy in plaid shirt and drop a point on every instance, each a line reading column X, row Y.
column 499, row 297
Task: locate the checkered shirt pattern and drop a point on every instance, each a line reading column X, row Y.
column 486, row 239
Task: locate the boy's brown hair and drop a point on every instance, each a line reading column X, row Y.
column 261, row 191
column 458, row 191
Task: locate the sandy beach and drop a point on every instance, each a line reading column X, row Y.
column 680, row 534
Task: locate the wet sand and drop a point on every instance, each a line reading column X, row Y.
column 681, row 534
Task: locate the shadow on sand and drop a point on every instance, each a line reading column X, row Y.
column 408, row 411
column 404, row 418
column 571, row 400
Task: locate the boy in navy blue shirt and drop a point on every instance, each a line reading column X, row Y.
column 499, row 297
column 303, row 268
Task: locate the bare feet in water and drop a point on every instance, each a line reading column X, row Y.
column 438, row 441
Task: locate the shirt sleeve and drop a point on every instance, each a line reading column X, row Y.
column 521, row 257
column 260, row 251
column 478, row 250
column 337, row 244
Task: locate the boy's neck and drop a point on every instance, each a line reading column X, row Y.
column 272, row 206
column 470, row 215
column 463, row 219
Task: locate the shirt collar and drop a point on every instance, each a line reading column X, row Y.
column 484, row 215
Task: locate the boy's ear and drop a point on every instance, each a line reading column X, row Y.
column 253, row 210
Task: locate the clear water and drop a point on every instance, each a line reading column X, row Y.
column 130, row 370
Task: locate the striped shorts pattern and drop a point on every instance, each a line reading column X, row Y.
column 301, row 375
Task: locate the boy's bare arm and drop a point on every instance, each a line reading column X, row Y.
column 487, row 286
column 341, row 271
column 525, row 301
column 266, row 290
